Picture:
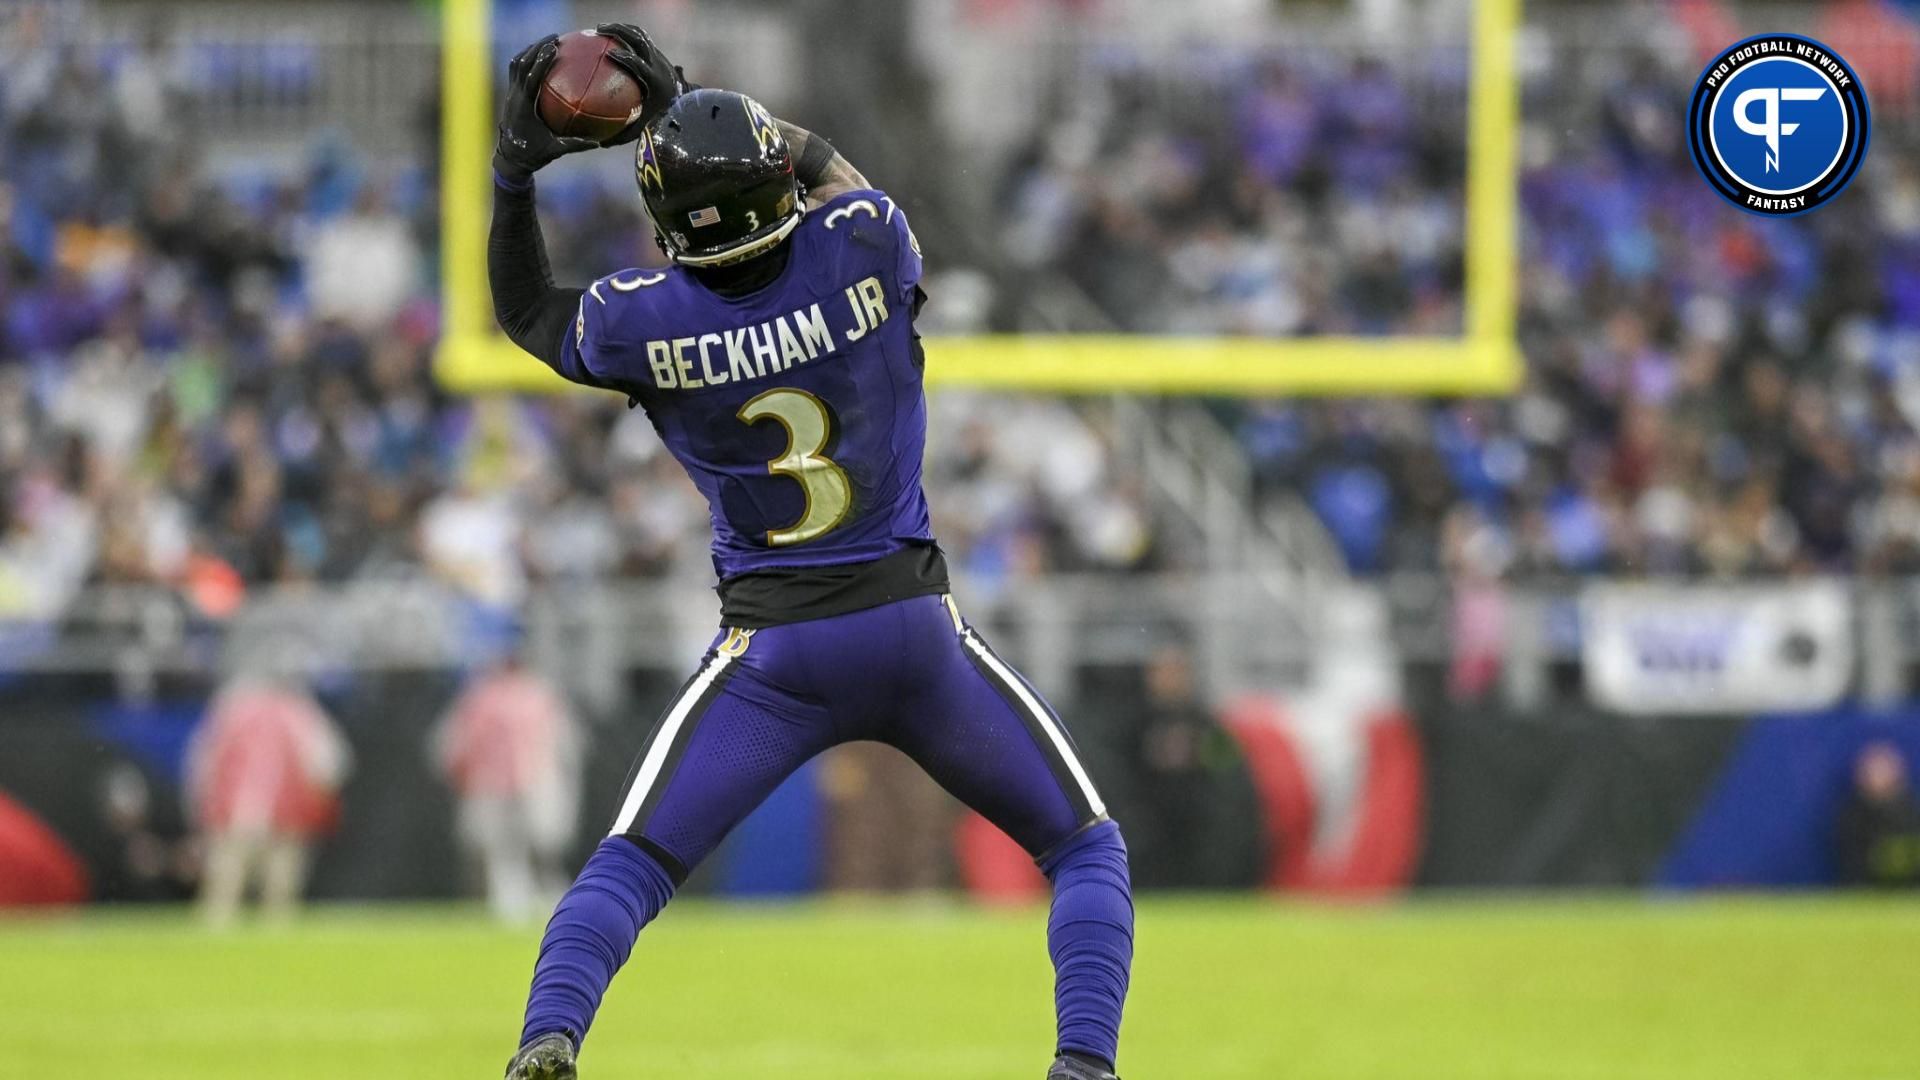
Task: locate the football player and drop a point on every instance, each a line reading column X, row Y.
column 776, row 356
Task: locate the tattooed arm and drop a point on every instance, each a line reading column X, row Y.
column 819, row 166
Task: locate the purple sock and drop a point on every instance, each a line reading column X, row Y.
column 590, row 935
column 1090, row 936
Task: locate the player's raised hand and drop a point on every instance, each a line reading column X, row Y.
column 660, row 79
column 525, row 143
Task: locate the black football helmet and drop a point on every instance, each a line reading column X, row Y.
column 718, row 179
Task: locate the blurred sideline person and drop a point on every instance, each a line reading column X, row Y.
column 1879, row 831
column 511, row 752
column 1181, row 780
column 155, row 855
column 777, row 361
column 264, row 772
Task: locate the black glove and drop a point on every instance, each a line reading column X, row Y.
column 659, row 78
column 525, row 143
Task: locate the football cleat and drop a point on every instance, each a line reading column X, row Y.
column 549, row 1057
column 1072, row 1068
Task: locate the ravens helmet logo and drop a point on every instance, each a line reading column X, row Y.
column 647, row 168
column 764, row 130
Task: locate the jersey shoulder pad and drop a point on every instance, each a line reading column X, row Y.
column 616, row 311
column 865, row 213
column 852, row 207
column 617, row 305
column 869, row 219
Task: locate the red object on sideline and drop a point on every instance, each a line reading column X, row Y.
column 993, row 867
column 1285, row 792
column 266, row 758
column 37, row 868
column 1386, row 847
column 1383, row 849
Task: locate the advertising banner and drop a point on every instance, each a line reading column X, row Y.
column 1660, row 648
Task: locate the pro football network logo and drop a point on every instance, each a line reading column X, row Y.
column 1778, row 124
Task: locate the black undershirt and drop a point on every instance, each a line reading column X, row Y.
column 762, row 598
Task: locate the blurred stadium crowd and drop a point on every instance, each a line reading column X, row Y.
column 215, row 384
column 1707, row 393
column 212, row 382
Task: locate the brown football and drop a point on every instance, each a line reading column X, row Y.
column 586, row 95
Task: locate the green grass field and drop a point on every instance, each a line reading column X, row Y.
column 1745, row 990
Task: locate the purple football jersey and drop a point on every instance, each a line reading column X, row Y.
column 797, row 409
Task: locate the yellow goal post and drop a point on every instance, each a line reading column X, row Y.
column 474, row 357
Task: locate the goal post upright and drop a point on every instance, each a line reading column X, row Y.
column 1485, row 360
column 466, row 126
column 1493, row 190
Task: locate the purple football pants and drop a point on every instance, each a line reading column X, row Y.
column 910, row 674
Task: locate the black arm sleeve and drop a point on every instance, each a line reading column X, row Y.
column 528, row 307
column 815, row 157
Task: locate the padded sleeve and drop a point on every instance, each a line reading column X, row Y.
column 533, row 313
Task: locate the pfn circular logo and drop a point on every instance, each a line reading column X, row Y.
column 1778, row 124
